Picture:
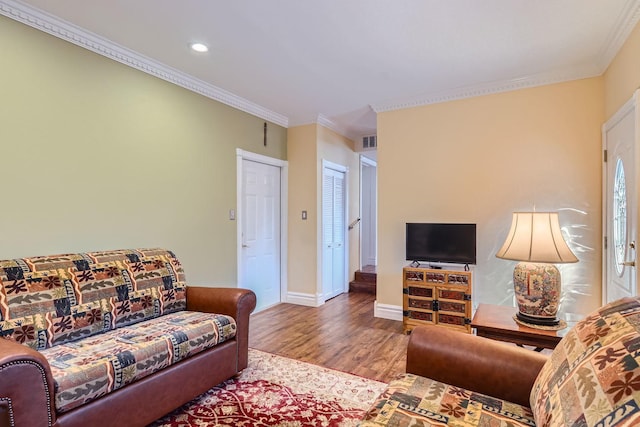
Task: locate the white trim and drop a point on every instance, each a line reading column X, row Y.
column 335, row 166
column 488, row 89
column 360, row 213
column 326, row 122
column 64, row 30
column 387, row 311
column 621, row 113
column 309, row 300
column 284, row 197
column 365, row 161
column 260, row 158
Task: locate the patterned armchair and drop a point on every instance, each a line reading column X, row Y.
column 592, row 378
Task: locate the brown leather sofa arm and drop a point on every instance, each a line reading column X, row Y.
column 26, row 387
column 479, row 364
column 235, row 302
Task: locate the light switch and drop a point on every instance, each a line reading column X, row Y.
column 232, row 214
column 304, row 215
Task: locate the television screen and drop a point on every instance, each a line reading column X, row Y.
column 446, row 243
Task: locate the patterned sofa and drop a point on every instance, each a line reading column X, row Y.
column 112, row 338
column 592, row 378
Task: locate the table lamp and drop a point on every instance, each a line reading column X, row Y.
column 535, row 239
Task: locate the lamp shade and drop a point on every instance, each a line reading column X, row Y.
column 536, row 237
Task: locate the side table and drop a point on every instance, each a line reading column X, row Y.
column 496, row 322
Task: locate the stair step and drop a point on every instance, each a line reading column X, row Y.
column 365, row 276
column 358, row 286
column 365, row 280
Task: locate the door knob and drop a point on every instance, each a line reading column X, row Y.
column 632, row 245
column 245, row 246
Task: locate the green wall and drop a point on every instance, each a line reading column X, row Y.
column 96, row 155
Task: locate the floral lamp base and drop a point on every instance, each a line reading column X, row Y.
column 537, row 290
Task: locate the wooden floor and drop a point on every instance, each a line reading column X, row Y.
column 342, row 334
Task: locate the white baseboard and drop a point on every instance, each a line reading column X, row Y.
column 387, row 311
column 310, row 300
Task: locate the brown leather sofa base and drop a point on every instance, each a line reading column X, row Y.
column 148, row 399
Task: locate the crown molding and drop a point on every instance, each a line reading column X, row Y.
column 57, row 27
column 621, row 30
column 627, row 21
column 337, row 128
column 326, row 122
column 488, row 89
column 53, row 25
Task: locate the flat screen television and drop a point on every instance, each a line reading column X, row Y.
column 444, row 243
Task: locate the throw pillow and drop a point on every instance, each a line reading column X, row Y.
column 593, row 375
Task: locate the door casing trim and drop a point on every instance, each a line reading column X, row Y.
column 628, row 106
column 367, row 162
column 284, row 197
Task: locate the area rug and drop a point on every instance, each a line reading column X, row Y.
column 277, row 391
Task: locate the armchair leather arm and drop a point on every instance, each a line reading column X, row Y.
column 479, row 364
column 235, row 302
column 26, row 387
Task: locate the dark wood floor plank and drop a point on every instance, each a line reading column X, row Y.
column 342, row 334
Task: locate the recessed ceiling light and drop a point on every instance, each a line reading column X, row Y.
column 199, row 47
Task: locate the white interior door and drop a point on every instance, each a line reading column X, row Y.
column 333, row 232
column 261, row 232
column 368, row 212
column 620, row 220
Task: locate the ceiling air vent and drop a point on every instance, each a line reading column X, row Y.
column 369, row 142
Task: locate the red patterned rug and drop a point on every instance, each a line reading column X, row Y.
column 277, row 391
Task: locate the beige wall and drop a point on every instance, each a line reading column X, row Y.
column 96, row 155
column 307, row 147
column 621, row 80
column 622, row 77
column 303, row 194
column 478, row 160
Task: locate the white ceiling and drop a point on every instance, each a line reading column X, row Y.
column 337, row 62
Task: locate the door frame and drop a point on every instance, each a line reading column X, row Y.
column 629, row 107
column 284, row 197
column 326, row 164
column 367, row 162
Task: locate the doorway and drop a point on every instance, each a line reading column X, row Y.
column 261, row 235
column 619, row 204
column 334, row 230
column 368, row 213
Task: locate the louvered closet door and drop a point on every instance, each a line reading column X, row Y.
column 333, row 232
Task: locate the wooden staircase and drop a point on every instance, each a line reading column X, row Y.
column 365, row 280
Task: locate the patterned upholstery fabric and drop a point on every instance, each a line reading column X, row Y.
column 412, row 400
column 91, row 367
column 593, row 375
column 45, row 301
